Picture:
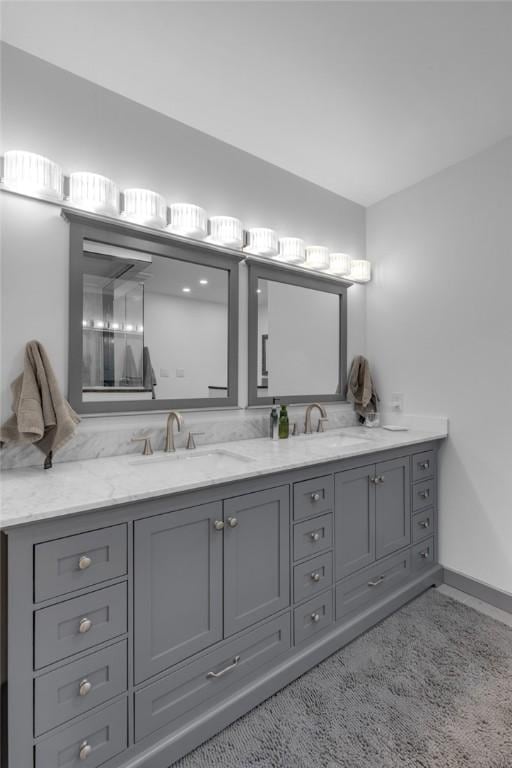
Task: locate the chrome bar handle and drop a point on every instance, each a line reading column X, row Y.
column 216, row 675
column 376, row 582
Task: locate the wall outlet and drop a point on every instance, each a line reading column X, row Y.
column 397, row 401
column 164, row 373
column 180, row 373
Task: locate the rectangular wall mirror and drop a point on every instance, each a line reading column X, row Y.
column 297, row 336
column 153, row 323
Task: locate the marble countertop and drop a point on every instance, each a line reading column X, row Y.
column 33, row 494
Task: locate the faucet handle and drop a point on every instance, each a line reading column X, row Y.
column 293, row 428
column 321, row 424
column 147, row 450
column 191, row 443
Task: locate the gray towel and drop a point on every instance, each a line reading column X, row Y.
column 149, row 378
column 41, row 415
column 130, row 377
column 360, row 388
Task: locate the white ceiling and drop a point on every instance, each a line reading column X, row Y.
column 363, row 98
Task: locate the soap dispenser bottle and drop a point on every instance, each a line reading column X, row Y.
column 274, row 421
column 284, row 426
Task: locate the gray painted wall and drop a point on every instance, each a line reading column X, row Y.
column 85, row 127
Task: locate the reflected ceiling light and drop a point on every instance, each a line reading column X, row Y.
column 361, row 271
column 291, row 250
column 258, row 290
column 340, row 264
column 94, row 192
column 32, row 174
column 188, row 220
column 186, row 290
column 261, row 241
column 226, row 230
column 317, row 257
column 115, row 326
column 142, row 206
column 203, row 282
column 129, row 327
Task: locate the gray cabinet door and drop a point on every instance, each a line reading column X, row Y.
column 354, row 520
column 256, row 557
column 177, row 586
column 392, row 506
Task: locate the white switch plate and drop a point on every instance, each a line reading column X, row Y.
column 180, row 373
column 397, row 401
column 164, row 373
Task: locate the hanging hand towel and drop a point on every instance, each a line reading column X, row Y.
column 149, row 378
column 41, row 415
column 361, row 389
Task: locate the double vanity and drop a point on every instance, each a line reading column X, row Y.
column 154, row 599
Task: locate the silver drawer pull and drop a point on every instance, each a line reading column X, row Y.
column 84, row 687
column 232, row 522
column 315, row 496
column 424, row 523
column 216, row 675
column 84, row 625
column 315, row 617
column 315, row 536
column 425, row 494
column 425, row 553
column 376, row 582
column 424, row 464
column 85, row 750
column 315, row 576
column 84, row 562
column 219, row 525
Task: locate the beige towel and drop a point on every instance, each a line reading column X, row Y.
column 361, row 389
column 41, row 415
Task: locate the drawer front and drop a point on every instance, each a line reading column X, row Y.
column 197, row 686
column 312, row 617
column 422, row 525
column 422, row 555
column 358, row 592
column 312, row 536
column 91, row 742
column 423, row 465
column 80, row 561
column 78, row 687
column 312, row 497
column 61, row 630
column 423, row 495
column 312, row 577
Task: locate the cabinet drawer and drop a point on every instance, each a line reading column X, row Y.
column 312, row 577
column 423, row 495
column 78, row 687
column 422, row 465
column 312, row 497
column 91, row 742
column 197, row 686
column 312, row 536
column 312, row 617
column 422, row 525
column 61, row 630
column 75, row 562
column 358, row 592
column 422, row 555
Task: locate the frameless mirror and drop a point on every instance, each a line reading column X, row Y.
column 155, row 329
column 297, row 336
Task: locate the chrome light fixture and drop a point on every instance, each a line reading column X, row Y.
column 142, row 206
column 340, row 264
column 94, row 192
column 291, row 250
column 32, row 174
column 226, row 230
column 261, row 241
column 317, row 257
column 361, row 271
column 188, row 220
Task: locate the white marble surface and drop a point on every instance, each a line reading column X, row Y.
column 33, row 494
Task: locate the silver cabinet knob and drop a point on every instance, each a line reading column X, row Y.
column 381, row 479
column 424, row 464
column 425, row 494
column 218, row 525
column 315, row 496
column 232, row 522
column 84, row 625
column 315, row 617
column 84, row 562
column 85, row 750
column 425, row 523
column 315, row 576
column 315, row 536
column 425, row 554
column 84, row 687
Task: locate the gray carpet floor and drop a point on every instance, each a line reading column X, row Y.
column 430, row 687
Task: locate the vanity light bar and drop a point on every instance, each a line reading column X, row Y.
column 37, row 176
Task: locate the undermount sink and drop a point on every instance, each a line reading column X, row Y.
column 196, row 460
column 336, row 439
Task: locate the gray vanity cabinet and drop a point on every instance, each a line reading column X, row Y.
column 177, row 586
column 256, row 557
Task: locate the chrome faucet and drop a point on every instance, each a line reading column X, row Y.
column 173, row 416
column 307, row 420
